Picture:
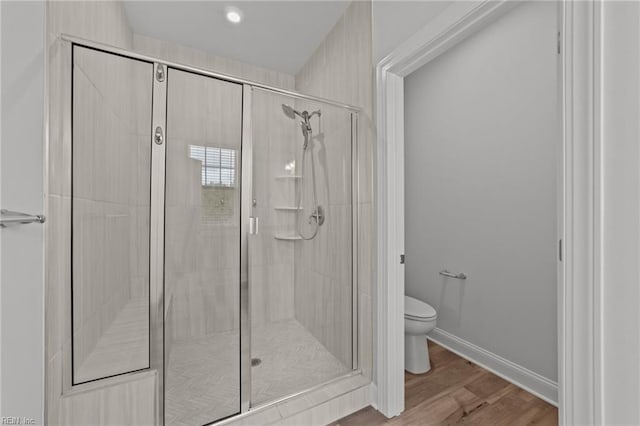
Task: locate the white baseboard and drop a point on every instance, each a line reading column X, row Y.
column 526, row 379
column 373, row 395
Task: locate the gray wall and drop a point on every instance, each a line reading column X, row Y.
column 620, row 224
column 21, row 188
column 482, row 147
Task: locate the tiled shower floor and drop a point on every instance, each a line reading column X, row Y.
column 202, row 382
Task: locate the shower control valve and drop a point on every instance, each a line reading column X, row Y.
column 317, row 215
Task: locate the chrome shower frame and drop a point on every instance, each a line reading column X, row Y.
column 157, row 356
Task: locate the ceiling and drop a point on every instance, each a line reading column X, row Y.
column 279, row 35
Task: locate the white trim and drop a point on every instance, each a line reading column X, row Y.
column 456, row 23
column 373, row 395
column 390, row 298
column 579, row 300
column 44, row 316
column 522, row 377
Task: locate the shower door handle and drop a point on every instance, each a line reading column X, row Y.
column 253, row 225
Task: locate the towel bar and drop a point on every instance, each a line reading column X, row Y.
column 8, row 217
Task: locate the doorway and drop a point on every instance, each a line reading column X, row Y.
column 574, row 319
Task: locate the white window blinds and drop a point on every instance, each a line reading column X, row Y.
column 218, row 165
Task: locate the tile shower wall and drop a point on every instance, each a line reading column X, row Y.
column 271, row 260
column 341, row 68
column 323, row 273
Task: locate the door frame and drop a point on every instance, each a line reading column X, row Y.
column 579, row 279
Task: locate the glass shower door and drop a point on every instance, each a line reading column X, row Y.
column 111, row 169
column 202, row 249
column 301, row 260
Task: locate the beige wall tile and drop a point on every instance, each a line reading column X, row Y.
column 130, row 403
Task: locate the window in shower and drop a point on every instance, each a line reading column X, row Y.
column 218, row 165
column 218, row 181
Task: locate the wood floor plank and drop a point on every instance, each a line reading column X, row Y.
column 467, row 400
column 505, row 411
column 422, row 404
column 487, row 387
column 439, row 411
column 458, row 392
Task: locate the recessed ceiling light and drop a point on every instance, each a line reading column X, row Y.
column 233, row 14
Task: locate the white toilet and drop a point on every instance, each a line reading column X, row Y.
column 419, row 319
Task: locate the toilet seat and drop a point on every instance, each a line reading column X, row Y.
column 418, row 310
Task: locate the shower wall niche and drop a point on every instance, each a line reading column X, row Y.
column 212, row 239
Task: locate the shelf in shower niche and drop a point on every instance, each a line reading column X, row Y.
column 288, row 208
column 288, row 177
column 287, row 237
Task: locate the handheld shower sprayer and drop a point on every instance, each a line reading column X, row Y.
column 317, row 216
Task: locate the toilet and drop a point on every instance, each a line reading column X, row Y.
column 419, row 319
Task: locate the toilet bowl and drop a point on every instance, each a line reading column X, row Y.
column 419, row 319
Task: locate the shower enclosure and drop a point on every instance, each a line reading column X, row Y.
column 212, row 235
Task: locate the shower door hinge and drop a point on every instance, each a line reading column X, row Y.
column 160, row 73
column 158, row 137
column 402, row 259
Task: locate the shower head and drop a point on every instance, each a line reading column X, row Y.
column 304, row 115
column 305, row 119
column 289, row 112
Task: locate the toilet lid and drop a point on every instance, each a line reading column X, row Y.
column 417, row 308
